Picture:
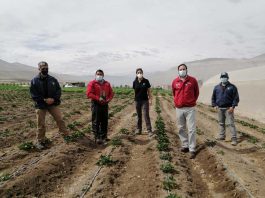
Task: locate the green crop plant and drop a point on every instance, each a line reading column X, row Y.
column 162, row 138
column 2, row 118
column 26, row 146
column 199, row 131
column 249, row 138
column 166, row 156
column 163, row 146
column 167, row 168
column 173, row 196
column 116, row 141
column 252, row 139
column 252, row 126
column 5, row 177
column 124, row 131
column 74, row 136
column 210, row 143
column 170, row 183
column 87, row 129
column 31, row 124
column 220, row 152
column 134, row 114
column 105, row 161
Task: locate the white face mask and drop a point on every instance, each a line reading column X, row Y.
column 140, row 76
column 182, row 73
column 224, row 80
column 99, row 78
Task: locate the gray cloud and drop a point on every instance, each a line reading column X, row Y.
column 80, row 36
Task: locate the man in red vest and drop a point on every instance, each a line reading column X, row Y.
column 100, row 93
column 186, row 92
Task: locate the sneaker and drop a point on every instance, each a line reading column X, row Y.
column 138, row 132
column 151, row 135
column 39, row 146
column 184, row 149
column 234, row 143
column 220, row 138
column 192, row 154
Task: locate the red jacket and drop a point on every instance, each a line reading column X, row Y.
column 95, row 89
column 185, row 92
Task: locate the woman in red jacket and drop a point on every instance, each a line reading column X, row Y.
column 186, row 92
column 100, row 93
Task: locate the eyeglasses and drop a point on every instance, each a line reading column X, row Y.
column 139, row 72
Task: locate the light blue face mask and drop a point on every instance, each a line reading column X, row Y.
column 99, row 77
column 224, row 80
column 182, row 73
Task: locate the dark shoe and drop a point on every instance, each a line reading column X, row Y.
column 192, row 155
column 99, row 141
column 184, row 149
column 39, row 146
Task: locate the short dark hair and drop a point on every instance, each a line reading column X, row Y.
column 42, row 63
column 182, row 65
column 139, row 69
column 100, row 70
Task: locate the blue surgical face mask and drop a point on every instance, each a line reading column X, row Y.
column 99, row 77
column 224, row 80
column 182, row 73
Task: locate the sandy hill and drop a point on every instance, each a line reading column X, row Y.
column 206, row 68
column 201, row 69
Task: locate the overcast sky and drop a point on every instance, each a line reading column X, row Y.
column 79, row 36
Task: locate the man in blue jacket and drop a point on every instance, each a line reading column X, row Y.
column 46, row 93
column 225, row 98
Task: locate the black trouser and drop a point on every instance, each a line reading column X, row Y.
column 143, row 104
column 99, row 120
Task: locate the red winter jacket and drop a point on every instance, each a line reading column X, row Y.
column 95, row 89
column 185, row 92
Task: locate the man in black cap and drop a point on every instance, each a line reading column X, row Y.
column 225, row 98
column 46, row 93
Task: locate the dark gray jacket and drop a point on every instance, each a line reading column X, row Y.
column 42, row 88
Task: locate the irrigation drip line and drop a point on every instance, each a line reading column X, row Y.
column 88, row 187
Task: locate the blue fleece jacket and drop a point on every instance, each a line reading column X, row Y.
column 225, row 96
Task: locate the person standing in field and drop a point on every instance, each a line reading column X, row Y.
column 46, row 93
column 100, row 93
column 186, row 92
column 143, row 97
column 225, row 98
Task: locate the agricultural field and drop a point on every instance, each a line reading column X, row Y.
column 129, row 165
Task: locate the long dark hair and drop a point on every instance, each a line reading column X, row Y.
column 138, row 69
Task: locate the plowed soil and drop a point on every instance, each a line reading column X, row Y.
column 71, row 169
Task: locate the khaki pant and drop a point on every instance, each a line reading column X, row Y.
column 56, row 114
column 187, row 127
